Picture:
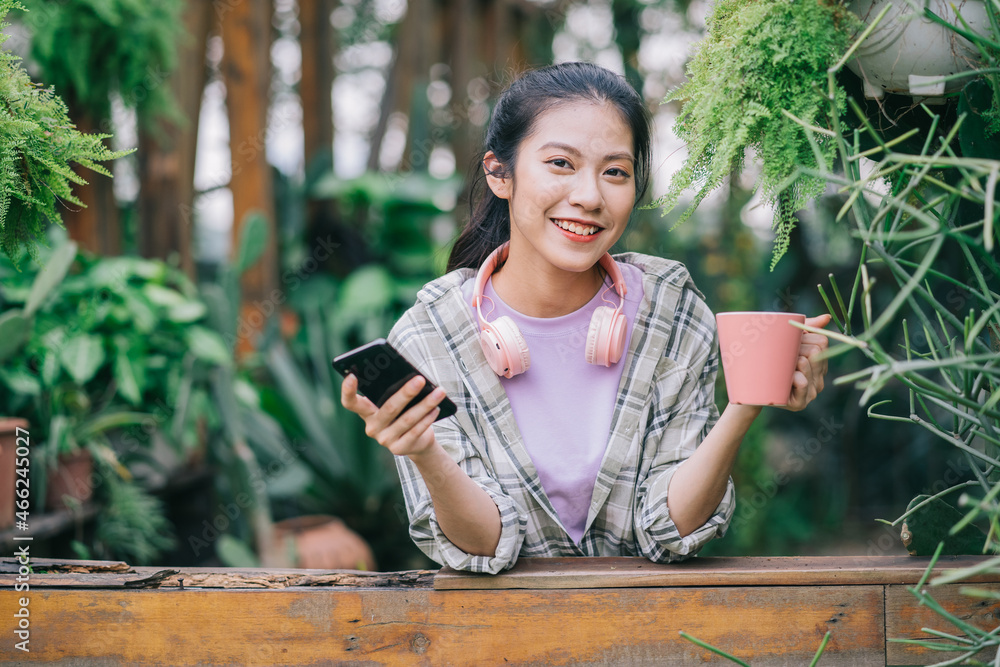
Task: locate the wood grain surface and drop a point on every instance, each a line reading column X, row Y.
column 567, row 611
column 905, row 619
column 620, row 626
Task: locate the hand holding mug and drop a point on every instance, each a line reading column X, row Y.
column 768, row 361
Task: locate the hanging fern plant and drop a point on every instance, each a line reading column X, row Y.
column 760, row 59
column 37, row 143
column 91, row 49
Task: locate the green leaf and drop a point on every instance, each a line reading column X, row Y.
column 190, row 311
column 234, row 553
column 208, row 346
column 50, row 367
column 108, row 421
column 20, row 381
column 15, row 330
column 81, row 355
column 304, row 401
column 115, row 272
column 253, row 240
column 128, row 372
column 61, row 439
column 221, row 315
column 289, row 482
column 370, row 288
column 140, row 308
column 53, row 273
column 163, row 296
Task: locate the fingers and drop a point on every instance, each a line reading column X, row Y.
column 406, row 433
column 819, row 321
column 808, row 379
column 397, row 427
column 349, row 398
column 417, row 438
column 803, row 390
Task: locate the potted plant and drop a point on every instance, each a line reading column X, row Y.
column 761, row 76
column 11, row 431
column 917, row 48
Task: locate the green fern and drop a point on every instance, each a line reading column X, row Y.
column 760, row 57
column 133, row 525
column 37, row 144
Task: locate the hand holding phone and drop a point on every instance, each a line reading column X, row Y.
column 382, row 371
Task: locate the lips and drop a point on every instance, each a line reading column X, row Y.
column 576, row 227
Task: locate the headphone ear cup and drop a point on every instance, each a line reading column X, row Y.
column 505, row 348
column 605, row 337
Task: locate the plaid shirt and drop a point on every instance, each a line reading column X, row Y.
column 665, row 408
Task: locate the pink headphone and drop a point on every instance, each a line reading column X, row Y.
column 504, row 346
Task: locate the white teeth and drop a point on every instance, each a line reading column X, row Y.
column 582, row 230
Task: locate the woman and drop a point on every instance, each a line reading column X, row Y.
column 586, row 422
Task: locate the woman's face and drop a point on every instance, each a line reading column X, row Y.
column 573, row 186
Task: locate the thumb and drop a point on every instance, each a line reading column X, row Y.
column 819, row 321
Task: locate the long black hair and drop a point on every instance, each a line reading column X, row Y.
column 513, row 119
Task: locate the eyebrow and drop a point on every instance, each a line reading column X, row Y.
column 573, row 151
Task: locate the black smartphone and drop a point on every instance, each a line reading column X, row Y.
column 382, row 371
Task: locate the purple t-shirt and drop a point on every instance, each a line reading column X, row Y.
column 563, row 405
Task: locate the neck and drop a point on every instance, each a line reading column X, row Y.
column 551, row 293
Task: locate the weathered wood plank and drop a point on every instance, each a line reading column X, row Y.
column 11, row 564
column 539, row 573
column 219, row 577
column 905, row 619
column 768, row 626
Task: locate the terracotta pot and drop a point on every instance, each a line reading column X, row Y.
column 8, row 455
column 323, row 543
column 72, row 477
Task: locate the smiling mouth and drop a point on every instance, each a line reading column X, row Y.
column 576, row 227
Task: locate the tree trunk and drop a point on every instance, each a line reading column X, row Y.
column 167, row 155
column 315, row 88
column 246, row 67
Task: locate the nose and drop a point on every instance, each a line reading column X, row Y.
column 585, row 191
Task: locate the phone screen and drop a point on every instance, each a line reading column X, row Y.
column 382, row 371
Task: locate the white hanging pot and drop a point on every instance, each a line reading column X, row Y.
column 909, row 54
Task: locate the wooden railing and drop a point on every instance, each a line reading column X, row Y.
column 566, row 611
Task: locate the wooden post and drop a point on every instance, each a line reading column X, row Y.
column 166, row 158
column 246, row 36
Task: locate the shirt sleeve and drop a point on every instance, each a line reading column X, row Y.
column 683, row 413
column 461, row 447
column 424, row 528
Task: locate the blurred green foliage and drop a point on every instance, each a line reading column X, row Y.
column 38, row 145
column 108, row 351
column 92, row 51
column 404, row 222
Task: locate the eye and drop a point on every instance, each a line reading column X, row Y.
column 562, row 163
column 617, row 172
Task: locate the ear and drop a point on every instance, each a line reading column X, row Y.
column 500, row 185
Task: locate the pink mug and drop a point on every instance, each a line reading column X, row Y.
column 759, row 351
